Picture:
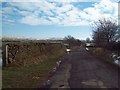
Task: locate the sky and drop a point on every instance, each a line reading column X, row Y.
column 44, row 19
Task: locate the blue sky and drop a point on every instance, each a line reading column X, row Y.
column 43, row 19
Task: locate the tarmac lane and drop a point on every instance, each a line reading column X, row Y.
column 90, row 72
column 81, row 70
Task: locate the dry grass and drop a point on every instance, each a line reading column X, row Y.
column 31, row 53
column 33, row 72
column 102, row 54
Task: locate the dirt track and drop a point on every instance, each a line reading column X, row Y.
column 85, row 71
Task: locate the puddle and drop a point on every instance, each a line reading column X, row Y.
column 117, row 62
column 87, row 49
column 94, row 82
column 116, row 58
column 0, row 64
column 61, row 86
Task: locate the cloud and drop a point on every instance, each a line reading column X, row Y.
column 33, row 20
column 103, row 9
column 55, row 0
column 7, row 10
column 50, row 0
column 56, row 13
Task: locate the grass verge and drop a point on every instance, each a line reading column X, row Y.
column 103, row 54
column 30, row 76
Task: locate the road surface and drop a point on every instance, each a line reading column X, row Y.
column 0, row 69
column 79, row 69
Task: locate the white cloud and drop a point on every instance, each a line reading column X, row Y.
column 50, row 0
column 64, row 8
column 24, row 13
column 66, row 14
column 55, row 0
column 32, row 20
column 104, row 9
column 24, row 5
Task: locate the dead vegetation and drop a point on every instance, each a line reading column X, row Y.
column 23, row 54
column 30, row 64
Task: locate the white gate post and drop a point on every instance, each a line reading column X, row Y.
column 6, row 55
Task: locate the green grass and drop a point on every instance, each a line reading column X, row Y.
column 28, row 76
